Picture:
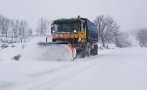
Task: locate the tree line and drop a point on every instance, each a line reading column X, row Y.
column 109, row 32
column 17, row 30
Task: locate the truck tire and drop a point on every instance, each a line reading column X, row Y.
column 88, row 49
column 83, row 53
column 94, row 51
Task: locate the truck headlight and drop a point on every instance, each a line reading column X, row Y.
column 53, row 31
column 75, row 31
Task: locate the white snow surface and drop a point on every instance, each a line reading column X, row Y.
column 117, row 69
column 8, row 54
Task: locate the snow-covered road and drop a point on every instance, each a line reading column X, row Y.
column 120, row 69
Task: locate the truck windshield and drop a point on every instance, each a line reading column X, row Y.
column 67, row 27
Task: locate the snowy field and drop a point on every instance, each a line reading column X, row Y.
column 117, row 69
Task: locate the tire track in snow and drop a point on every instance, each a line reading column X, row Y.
column 34, row 81
column 51, row 83
column 32, row 77
column 71, row 73
column 51, row 78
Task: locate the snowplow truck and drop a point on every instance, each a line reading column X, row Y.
column 80, row 33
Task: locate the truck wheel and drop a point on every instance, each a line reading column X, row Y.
column 94, row 50
column 88, row 49
column 82, row 54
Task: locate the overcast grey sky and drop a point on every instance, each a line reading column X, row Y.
column 130, row 14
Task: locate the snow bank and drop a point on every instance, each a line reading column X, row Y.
column 53, row 52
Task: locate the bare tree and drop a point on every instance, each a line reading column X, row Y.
column 15, row 28
column 107, row 27
column 42, row 26
column 23, row 29
column 142, row 38
column 1, row 24
column 30, row 32
column 18, row 29
column 4, row 26
column 122, row 40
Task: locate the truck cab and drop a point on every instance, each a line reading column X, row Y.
column 79, row 32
